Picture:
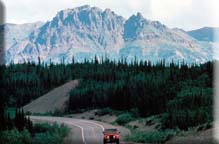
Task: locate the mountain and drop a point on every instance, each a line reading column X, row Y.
column 16, row 33
column 204, row 34
column 154, row 41
column 85, row 31
column 82, row 32
column 13, row 34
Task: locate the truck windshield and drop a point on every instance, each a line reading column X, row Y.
column 110, row 130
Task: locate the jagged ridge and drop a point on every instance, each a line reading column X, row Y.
column 86, row 31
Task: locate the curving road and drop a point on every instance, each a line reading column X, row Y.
column 82, row 131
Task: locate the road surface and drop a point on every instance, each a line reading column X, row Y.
column 82, row 131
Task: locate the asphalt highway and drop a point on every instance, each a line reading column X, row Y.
column 82, row 131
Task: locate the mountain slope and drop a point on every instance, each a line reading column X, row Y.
column 82, row 32
column 16, row 33
column 86, row 31
column 204, row 34
column 154, row 41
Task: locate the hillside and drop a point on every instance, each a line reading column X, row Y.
column 204, row 34
column 15, row 33
column 52, row 101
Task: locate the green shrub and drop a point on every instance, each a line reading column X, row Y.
column 124, row 118
column 49, row 134
column 47, row 138
column 104, row 111
column 58, row 112
column 41, row 128
column 43, row 134
column 15, row 137
column 204, row 126
column 135, row 112
column 91, row 118
column 151, row 137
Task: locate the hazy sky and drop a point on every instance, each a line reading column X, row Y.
column 186, row 14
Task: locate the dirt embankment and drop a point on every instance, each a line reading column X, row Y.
column 54, row 100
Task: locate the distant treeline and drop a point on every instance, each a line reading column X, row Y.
column 183, row 93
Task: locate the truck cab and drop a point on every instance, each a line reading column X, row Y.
column 111, row 136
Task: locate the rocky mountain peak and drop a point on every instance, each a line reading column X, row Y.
column 133, row 26
column 86, row 31
column 139, row 15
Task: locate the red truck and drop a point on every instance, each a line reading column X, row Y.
column 111, row 136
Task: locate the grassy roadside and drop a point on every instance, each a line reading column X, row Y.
column 139, row 131
column 137, row 135
column 150, row 130
column 154, row 134
column 150, row 137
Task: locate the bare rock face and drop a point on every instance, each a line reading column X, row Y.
column 84, row 32
column 151, row 40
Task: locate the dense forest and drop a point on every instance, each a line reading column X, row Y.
column 19, row 84
column 182, row 93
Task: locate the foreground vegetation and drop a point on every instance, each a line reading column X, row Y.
column 16, row 128
column 151, row 137
column 41, row 134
